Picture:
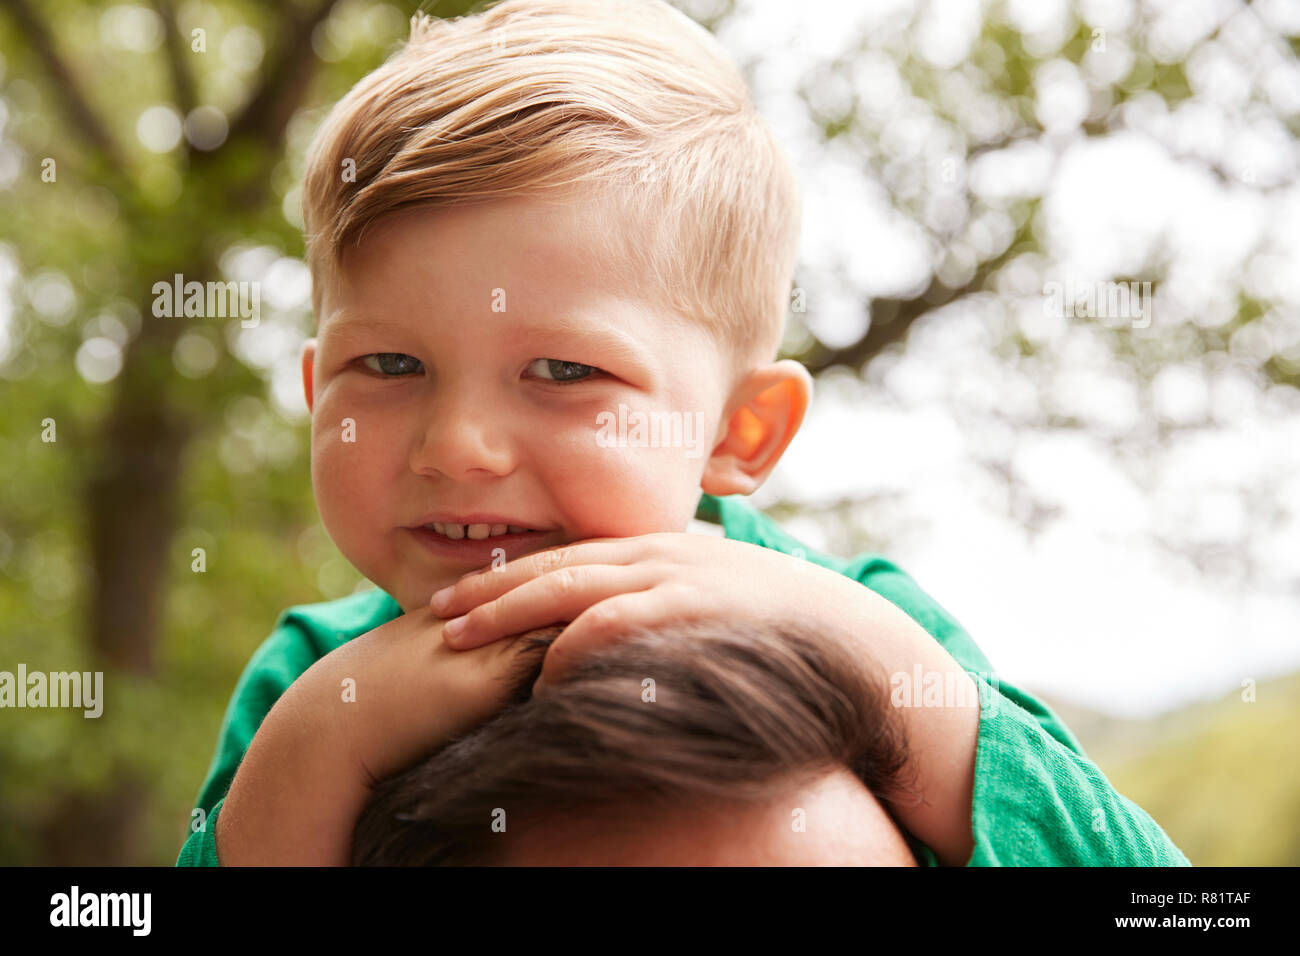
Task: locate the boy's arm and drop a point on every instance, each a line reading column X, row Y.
column 361, row 712
column 275, row 665
column 300, row 788
column 1037, row 800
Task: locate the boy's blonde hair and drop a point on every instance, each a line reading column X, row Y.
column 539, row 98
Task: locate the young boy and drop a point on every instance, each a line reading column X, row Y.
column 552, row 246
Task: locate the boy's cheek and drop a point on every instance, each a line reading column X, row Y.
column 349, row 494
column 618, row 493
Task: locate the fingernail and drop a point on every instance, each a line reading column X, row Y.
column 454, row 626
column 442, row 598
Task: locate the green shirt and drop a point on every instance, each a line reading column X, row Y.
column 1038, row 800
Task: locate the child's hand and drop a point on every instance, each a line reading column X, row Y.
column 413, row 692
column 607, row 587
column 359, row 714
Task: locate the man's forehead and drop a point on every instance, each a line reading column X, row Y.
column 845, row 825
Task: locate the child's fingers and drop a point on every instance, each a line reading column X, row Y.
column 561, row 595
column 487, row 585
column 600, row 625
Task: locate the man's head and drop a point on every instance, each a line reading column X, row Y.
column 551, row 248
column 698, row 744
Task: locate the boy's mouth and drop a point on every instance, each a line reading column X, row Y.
column 482, row 540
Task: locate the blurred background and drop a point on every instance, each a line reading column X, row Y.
column 1108, row 500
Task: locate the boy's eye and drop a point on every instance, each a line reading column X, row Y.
column 555, row 370
column 392, row 364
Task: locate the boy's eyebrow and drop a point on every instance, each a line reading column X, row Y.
column 345, row 321
column 609, row 339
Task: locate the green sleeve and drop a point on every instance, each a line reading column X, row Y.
column 1039, row 802
column 201, row 848
column 275, row 665
column 1038, row 799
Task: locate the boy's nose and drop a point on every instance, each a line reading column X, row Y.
column 463, row 440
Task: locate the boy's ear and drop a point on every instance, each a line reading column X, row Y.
column 766, row 410
column 308, row 367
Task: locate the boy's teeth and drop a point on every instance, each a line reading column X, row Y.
column 475, row 532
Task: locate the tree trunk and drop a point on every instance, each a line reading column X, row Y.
column 131, row 498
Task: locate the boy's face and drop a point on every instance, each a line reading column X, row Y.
column 441, row 391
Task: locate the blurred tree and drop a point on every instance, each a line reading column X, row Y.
column 131, row 488
column 175, row 217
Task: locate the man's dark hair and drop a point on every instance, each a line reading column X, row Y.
column 733, row 712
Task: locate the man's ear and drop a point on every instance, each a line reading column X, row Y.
column 308, row 368
column 765, row 411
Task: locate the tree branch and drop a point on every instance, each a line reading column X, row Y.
column 891, row 319
column 271, row 106
column 84, row 117
column 182, row 82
